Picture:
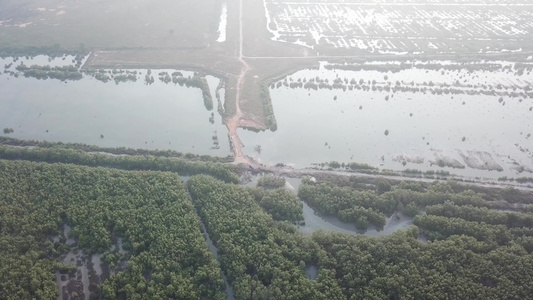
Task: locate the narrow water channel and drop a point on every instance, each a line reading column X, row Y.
column 314, row 221
column 214, row 250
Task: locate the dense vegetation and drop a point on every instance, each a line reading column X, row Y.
column 167, row 256
column 360, row 207
column 271, row 182
column 128, row 162
column 401, row 267
column 473, row 260
column 268, row 110
column 44, row 72
column 262, row 259
column 462, row 247
column 282, row 205
column 365, row 203
column 474, row 252
column 196, row 80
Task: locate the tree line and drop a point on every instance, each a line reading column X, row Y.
column 184, row 167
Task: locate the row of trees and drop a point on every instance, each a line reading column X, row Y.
column 167, row 255
column 112, row 150
column 481, row 214
column 194, row 81
column 153, row 163
column 52, row 51
column 44, row 72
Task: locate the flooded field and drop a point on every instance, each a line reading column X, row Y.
column 136, row 114
column 474, row 123
column 402, row 27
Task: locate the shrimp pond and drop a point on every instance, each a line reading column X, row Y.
column 470, row 120
column 111, row 108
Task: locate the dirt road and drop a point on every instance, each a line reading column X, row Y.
column 237, row 119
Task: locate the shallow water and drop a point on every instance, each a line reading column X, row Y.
column 214, row 250
column 314, row 221
column 351, row 126
column 130, row 114
column 311, row 272
column 96, row 259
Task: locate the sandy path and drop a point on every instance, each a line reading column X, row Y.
column 236, row 120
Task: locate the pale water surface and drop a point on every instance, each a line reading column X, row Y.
column 130, row 114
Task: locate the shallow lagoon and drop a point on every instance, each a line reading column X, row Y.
column 350, row 126
column 128, row 114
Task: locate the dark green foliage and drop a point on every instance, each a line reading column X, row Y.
column 271, row 182
column 473, row 253
column 437, row 194
column 438, row 227
column 348, row 167
column 283, row 205
column 151, row 211
column 195, row 81
column 262, row 259
column 23, row 273
column 468, row 212
column 45, row 72
column 359, row 166
column 361, row 207
column 334, row 164
column 400, row 267
column 411, row 210
column 484, row 224
column 182, row 166
column 8, row 130
column 508, row 194
column 362, row 217
column 268, row 110
column 383, row 185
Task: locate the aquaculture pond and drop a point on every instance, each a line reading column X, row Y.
column 127, row 112
column 472, row 123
